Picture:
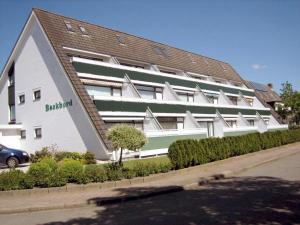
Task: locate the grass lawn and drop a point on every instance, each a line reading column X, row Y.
column 158, row 160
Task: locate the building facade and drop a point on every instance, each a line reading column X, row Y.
column 67, row 82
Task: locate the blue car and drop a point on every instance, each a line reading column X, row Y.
column 12, row 157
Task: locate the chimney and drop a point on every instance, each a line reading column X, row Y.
column 270, row 85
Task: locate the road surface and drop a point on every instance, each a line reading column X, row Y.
column 268, row 194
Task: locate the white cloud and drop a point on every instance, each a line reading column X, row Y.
column 258, row 66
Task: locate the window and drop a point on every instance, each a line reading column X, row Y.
column 12, row 113
column 232, row 123
column 251, row 122
column 23, row 134
column 213, row 98
column 11, row 75
column 150, row 92
column 250, row 101
column 116, row 92
column 219, row 81
column 11, row 80
column 121, row 39
column 267, row 121
column 233, row 99
column 83, row 30
column 168, row 123
column 186, row 97
column 36, row 95
column 180, row 123
column 169, row 72
column 38, row 132
column 132, row 65
column 209, row 125
column 103, row 91
column 137, row 124
column 160, row 51
column 21, row 99
column 69, row 26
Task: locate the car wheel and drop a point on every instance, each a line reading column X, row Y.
column 12, row 162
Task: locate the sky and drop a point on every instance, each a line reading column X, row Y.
column 259, row 38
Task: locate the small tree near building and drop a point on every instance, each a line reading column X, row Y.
column 291, row 99
column 126, row 137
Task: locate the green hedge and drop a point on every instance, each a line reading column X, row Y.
column 185, row 153
column 47, row 172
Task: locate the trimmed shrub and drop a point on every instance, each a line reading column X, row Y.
column 95, row 173
column 185, row 153
column 128, row 173
column 143, row 169
column 72, row 171
column 15, row 180
column 113, row 171
column 89, row 158
column 45, row 173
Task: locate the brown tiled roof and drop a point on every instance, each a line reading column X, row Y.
column 103, row 40
column 267, row 95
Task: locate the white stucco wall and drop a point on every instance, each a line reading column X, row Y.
column 36, row 67
column 10, row 138
column 3, row 100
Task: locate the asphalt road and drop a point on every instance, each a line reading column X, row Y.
column 268, row 194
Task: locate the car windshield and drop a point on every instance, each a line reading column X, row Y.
column 2, row 146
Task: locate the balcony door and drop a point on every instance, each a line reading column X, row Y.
column 209, row 125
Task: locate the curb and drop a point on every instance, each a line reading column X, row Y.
column 122, row 199
column 126, row 183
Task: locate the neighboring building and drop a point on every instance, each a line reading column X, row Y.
column 267, row 96
column 67, row 81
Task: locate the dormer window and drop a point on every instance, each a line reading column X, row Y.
column 83, row 30
column 69, row 26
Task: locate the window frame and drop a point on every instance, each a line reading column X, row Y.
column 22, row 134
column 83, row 30
column 36, row 136
column 35, row 99
column 19, row 98
column 69, row 26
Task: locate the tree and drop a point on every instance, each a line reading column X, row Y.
column 126, row 137
column 291, row 100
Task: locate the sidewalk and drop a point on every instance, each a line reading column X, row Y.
column 112, row 192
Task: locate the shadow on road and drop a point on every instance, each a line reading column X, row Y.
column 239, row 200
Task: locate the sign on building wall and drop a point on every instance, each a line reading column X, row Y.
column 58, row 105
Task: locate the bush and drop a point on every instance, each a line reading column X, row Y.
column 89, row 158
column 113, row 171
column 45, row 173
column 59, row 156
column 72, row 171
column 95, row 173
column 185, row 153
column 15, row 180
column 39, row 155
column 128, row 173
